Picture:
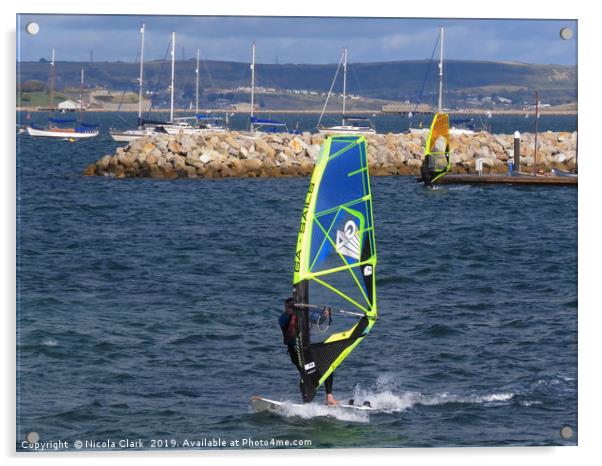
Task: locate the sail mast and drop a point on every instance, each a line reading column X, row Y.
column 252, row 82
column 173, row 72
column 51, row 95
column 344, row 80
column 140, row 76
column 81, row 94
column 197, row 83
column 440, row 104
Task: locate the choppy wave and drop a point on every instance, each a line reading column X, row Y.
column 162, row 308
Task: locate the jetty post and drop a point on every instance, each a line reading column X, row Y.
column 516, row 166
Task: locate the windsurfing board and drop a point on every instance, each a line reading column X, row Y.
column 260, row 404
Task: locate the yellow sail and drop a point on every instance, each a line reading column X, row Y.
column 437, row 145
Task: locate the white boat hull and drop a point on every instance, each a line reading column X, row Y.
column 459, row 131
column 177, row 130
column 452, row 131
column 130, row 135
column 61, row 133
column 336, row 130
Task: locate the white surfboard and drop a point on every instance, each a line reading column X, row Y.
column 260, row 404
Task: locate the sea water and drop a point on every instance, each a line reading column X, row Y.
column 147, row 310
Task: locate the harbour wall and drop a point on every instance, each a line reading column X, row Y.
column 238, row 154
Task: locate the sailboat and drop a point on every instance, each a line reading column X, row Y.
column 204, row 123
column 454, row 131
column 142, row 130
column 335, row 259
column 437, row 154
column 54, row 130
column 349, row 124
column 261, row 125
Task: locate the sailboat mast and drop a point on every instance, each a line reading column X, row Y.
column 253, row 80
column 51, row 95
column 440, row 104
column 344, row 80
column 81, row 94
column 173, row 73
column 198, row 71
column 140, row 76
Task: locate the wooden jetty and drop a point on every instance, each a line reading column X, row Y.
column 505, row 179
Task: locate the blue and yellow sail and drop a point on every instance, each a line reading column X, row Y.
column 336, row 254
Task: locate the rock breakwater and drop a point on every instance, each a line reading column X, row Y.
column 237, row 154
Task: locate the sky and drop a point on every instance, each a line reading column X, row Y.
column 294, row 40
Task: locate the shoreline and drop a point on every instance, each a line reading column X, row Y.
column 329, row 112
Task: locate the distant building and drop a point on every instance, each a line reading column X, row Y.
column 69, row 105
column 242, row 107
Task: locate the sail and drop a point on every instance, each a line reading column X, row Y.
column 437, row 146
column 335, row 256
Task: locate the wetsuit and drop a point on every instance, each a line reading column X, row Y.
column 289, row 334
column 293, row 354
column 427, row 170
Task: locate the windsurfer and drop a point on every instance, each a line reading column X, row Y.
column 288, row 325
column 427, row 170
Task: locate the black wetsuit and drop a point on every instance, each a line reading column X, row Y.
column 289, row 340
column 427, row 170
column 293, row 354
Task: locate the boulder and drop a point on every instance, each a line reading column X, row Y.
column 129, row 159
column 206, row 157
column 297, row 145
column 179, row 162
column 527, row 160
column 103, row 163
column 147, row 148
column 152, row 158
column 503, row 140
column 187, row 143
column 118, row 171
column 264, row 147
column 313, row 151
column 90, row 170
column 190, row 171
column 251, row 164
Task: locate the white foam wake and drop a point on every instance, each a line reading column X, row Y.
column 387, row 397
column 312, row 410
column 389, row 401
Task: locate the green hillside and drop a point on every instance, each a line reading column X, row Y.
column 466, row 81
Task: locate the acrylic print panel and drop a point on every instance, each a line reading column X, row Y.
column 163, row 168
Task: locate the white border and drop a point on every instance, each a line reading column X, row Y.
column 589, row 226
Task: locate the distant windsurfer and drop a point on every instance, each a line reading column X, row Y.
column 427, row 170
column 288, row 325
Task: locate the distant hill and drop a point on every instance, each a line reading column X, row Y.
column 468, row 83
